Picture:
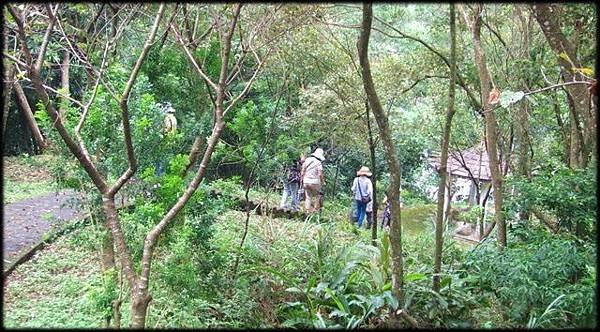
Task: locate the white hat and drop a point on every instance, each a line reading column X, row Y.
column 364, row 171
column 319, row 154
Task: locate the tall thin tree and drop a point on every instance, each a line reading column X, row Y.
column 491, row 125
column 390, row 149
column 439, row 228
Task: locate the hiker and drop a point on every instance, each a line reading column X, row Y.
column 290, row 186
column 312, row 179
column 362, row 191
column 387, row 212
column 387, row 215
column 169, row 128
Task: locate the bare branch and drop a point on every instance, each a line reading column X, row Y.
column 36, row 80
column 558, row 86
column 421, row 79
column 227, row 49
column 124, row 108
column 86, row 107
column 21, row 33
column 191, row 57
column 46, row 40
column 14, row 59
column 248, row 84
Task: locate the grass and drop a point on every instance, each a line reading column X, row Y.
column 50, row 289
column 27, row 176
column 18, row 191
column 55, row 288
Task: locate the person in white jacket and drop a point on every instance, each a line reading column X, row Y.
column 169, row 128
column 312, row 179
column 170, row 124
column 362, row 190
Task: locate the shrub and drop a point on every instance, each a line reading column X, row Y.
column 529, row 275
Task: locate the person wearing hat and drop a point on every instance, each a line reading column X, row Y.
column 312, row 179
column 362, row 191
column 170, row 124
column 169, row 128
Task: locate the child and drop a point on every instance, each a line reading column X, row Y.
column 386, row 219
column 387, row 215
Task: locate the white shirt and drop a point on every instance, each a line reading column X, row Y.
column 312, row 167
column 170, row 124
column 365, row 186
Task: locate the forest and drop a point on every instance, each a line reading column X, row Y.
column 175, row 135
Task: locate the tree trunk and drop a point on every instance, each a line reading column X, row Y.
column 563, row 133
column 194, row 154
column 390, row 149
column 28, row 116
column 64, row 84
column 524, row 160
column 108, row 262
column 373, row 178
column 576, row 144
column 449, row 194
column 140, row 293
column 439, row 240
column 491, row 125
column 9, row 81
column 108, row 250
column 548, row 17
column 546, row 218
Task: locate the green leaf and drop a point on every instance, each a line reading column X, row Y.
column 445, row 281
column 532, row 100
column 415, row 276
column 391, row 299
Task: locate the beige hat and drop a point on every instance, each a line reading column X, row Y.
column 319, row 154
column 364, row 171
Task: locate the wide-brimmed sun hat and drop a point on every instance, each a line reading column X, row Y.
column 364, row 171
column 319, row 154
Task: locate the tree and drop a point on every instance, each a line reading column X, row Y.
column 390, row 149
column 439, row 226
column 28, row 116
column 491, row 125
column 77, row 148
column 584, row 138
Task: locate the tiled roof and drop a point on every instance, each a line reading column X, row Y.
column 475, row 159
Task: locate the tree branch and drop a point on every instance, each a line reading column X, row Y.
column 558, row 86
column 125, row 110
column 46, row 40
column 191, row 58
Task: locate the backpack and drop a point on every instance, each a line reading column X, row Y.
column 293, row 174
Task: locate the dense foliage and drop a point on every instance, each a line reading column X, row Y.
column 318, row 272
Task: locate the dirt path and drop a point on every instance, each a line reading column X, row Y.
column 25, row 222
